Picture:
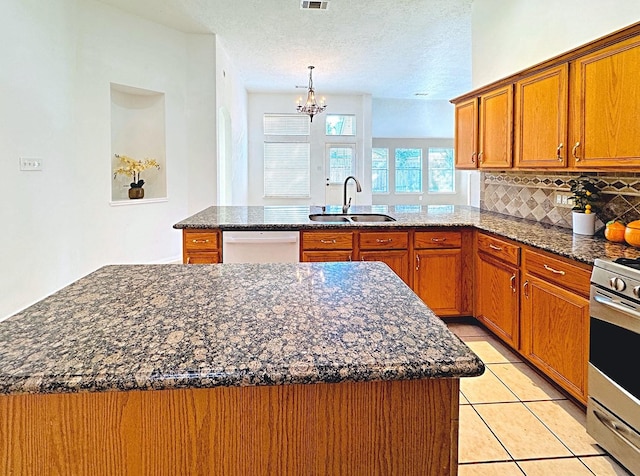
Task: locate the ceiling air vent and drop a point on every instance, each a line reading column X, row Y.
column 309, row 5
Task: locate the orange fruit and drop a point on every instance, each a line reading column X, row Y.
column 615, row 231
column 632, row 233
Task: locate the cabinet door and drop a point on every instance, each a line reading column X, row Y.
column 325, row 256
column 555, row 334
column 497, row 297
column 606, row 106
column 437, row 280
column 466, row 134
column 541, row 108
column 496, row 126
column 192, row 257
column 398, row 260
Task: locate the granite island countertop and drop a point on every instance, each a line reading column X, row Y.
column 143, row 327
column 540, row 235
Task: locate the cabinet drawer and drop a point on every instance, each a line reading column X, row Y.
column 327, row 240
column 500, row 249
column 437, row 239
column 200, row 240
column 389, row 240
column 559, row 271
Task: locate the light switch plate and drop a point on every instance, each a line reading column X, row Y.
column 30, row 164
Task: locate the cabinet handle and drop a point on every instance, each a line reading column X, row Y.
column 473, row 157
column 573, row 151
column 512, row 283
column 189, row 260
column 438, row 240
column 417, row 262
column 494, row 247
column 388, row 240
column 555, row 271
column 558, row 152
column 480, row 159
column 362, row 258
column 200, row 241
column 525, row 289
column 349, row 257
column 326, row 242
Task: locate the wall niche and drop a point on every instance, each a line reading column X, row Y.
column 138, row 132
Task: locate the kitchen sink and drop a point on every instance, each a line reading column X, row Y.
column 329, row 218
column 355, row 217
column 369, row 217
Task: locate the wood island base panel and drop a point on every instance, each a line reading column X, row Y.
column 407, row 427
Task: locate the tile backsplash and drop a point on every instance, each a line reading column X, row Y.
column 531, row 195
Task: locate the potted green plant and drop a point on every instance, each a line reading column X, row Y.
column 132, row 168
column 586, row 198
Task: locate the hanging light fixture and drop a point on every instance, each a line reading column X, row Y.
column 310, row 107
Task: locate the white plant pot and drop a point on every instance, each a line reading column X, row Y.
column 583, row 223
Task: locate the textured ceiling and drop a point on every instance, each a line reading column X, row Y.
column 386, row 48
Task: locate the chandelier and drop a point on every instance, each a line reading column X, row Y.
column 310, row 106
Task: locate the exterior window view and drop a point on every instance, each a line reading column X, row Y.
column 320, row 238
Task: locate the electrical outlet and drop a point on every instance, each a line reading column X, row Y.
column 562, row 199
column 30, row 164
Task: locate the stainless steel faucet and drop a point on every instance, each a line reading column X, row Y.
column 345, row 205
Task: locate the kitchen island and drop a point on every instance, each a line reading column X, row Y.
column 309, row 368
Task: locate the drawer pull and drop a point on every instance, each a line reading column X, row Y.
column 199, row 241
column 555, row 271
column 494, row 247
column 326, row 242
column 438, row 240
column 388, row 240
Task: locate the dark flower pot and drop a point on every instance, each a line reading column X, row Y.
column 136, row 192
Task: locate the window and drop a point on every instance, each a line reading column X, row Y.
column 380, row 170
column 341, row 162
column 408, row 170
column 286, row 169
column 286, row 156
column 340, row 125
column 441, row 170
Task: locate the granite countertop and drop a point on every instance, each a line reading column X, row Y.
column 547, row 237
column 142, row 327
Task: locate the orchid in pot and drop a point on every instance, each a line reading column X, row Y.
column 132, row 168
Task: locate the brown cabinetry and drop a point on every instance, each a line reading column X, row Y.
column 555, row 319
column 200, row 246
column 390, row 247
column 442, row 275
column 327, row 245
column 496, row 128
column 606, row 107
column 466, row 134
column 541, row 109
column 497, row 284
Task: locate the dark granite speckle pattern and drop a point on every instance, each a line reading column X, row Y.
column 547, row 237
column 141, row 327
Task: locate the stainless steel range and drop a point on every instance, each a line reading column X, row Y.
column 613, row 408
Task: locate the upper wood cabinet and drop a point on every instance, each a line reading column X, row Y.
column 466, row 134
column 606, row 107
column 541, row 110
column 496, row 127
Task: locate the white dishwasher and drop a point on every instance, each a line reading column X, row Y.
column 260, row 246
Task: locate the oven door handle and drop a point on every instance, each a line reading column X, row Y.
column 620, row 430
column 617, row 305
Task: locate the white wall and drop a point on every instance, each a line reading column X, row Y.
column 59, row 59
column 260, row 104
column 509, row 36
column 232, row 102
column 410, row 118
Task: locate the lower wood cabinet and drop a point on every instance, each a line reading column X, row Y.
column 442, row 272
column 497, row 298
column 326, row 246
column 398, row 260
column 555, row 320
column 201, row 246
column 390, row 247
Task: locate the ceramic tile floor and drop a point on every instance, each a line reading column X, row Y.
column 514, row 422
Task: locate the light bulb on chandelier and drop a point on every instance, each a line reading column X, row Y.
column 310, row 106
